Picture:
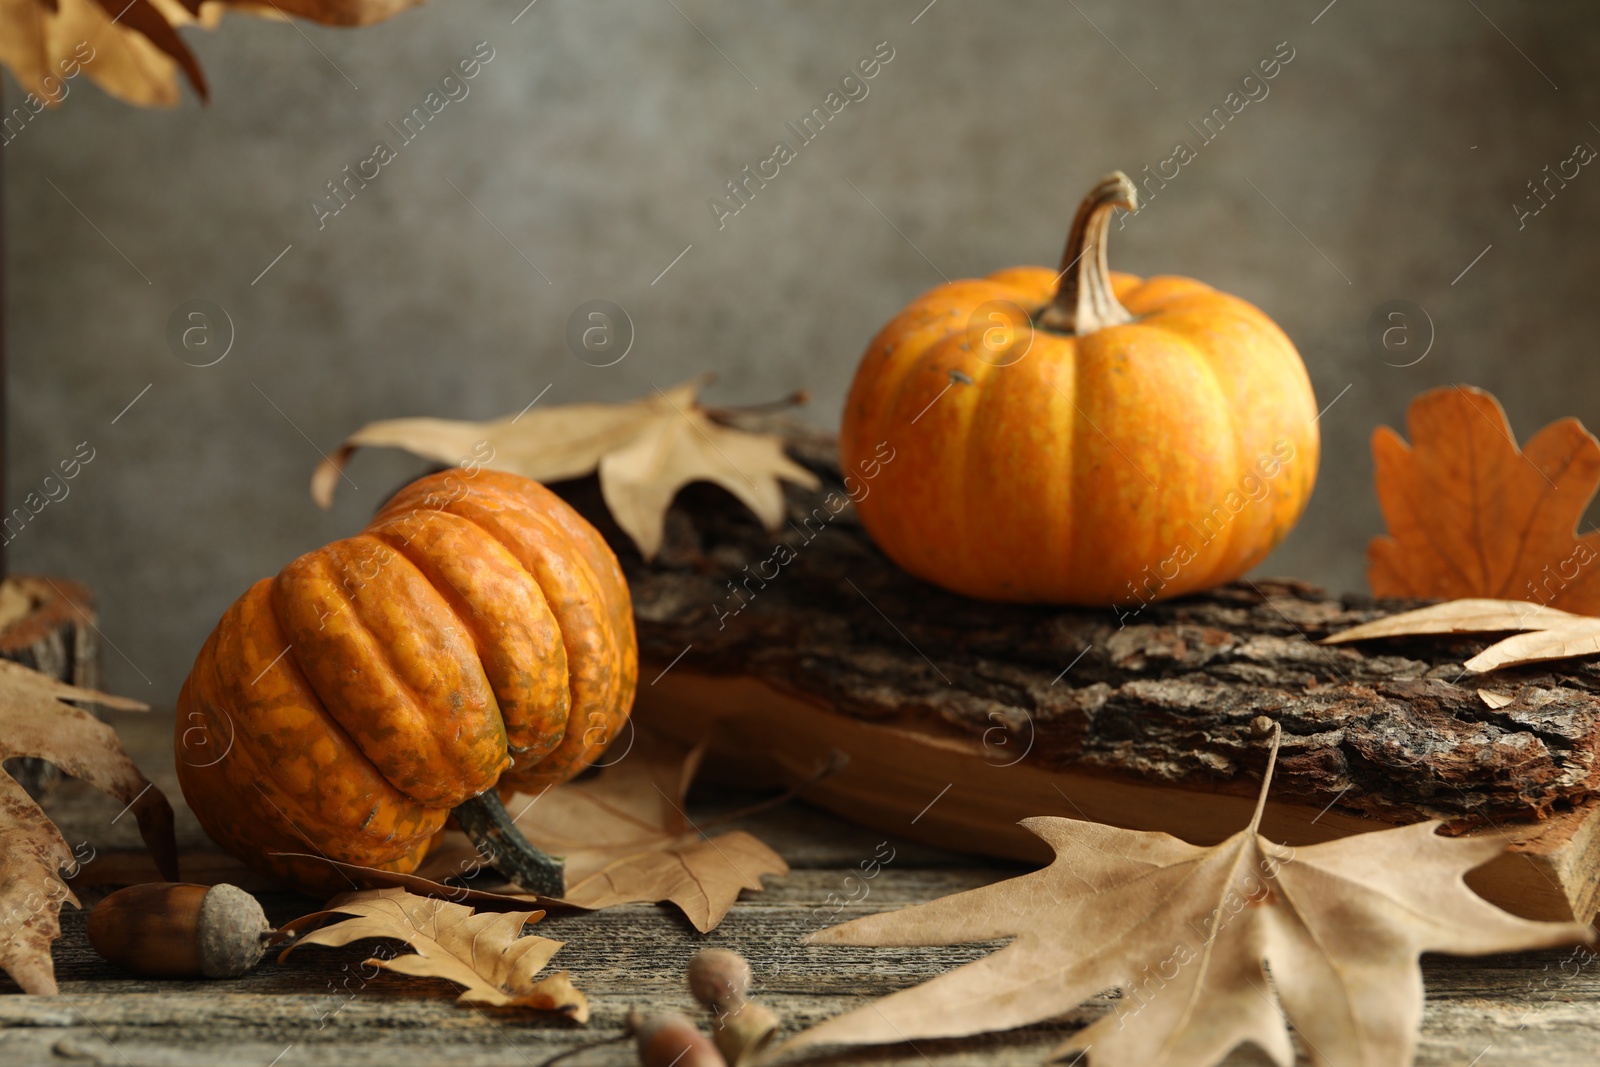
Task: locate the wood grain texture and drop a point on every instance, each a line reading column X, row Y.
column 1351, row 721
column 1538, row 1008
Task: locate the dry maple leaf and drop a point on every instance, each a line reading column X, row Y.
column 625, row 839
column 35, row 722
column 645, row 451
column 1188, row 934
column 131, row 48
column 485, row 953
column 1549, row 633
column 1471, row 515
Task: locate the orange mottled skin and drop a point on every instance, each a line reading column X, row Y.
column 478, row 633
column 1073, row 474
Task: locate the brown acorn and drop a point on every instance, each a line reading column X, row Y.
column 671, row 1040
column 721, row 980
column 177, row 930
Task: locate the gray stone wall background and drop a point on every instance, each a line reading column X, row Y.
column 1385, row 159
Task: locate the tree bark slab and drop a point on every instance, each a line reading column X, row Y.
column 809, row 639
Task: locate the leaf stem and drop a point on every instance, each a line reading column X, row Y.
column 1266, row 779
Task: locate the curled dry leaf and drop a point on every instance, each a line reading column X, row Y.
column 1471, row 515
column 626, row 839
column 645, row 451
column 132, row 48
column 1551, row 634
column 1188, row 935
column 1559, row 642
column 135, row 56
column 485, row 953
column 35, row 722
column 1471, row 616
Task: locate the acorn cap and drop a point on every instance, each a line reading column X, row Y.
column 232, row 926
column 743, row 1034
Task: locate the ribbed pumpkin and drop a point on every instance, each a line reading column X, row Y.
column 478, row 633
column 1079, row 436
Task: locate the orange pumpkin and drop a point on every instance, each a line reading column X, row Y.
column 1104, row 440
column 478, row 633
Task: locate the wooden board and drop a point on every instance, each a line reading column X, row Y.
column 1541, row 1008
column 945, row 789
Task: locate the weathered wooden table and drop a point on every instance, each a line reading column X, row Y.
column 1539, row 1008
column 1370, row 739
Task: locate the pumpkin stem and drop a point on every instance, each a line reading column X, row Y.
column 1084, row 300
column 485, row 821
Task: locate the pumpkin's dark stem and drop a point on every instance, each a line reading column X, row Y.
column 485, row 821
column 1084, row 300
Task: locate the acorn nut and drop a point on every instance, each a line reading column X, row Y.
column 719, row 979
column 671, row 1040
column 177, row 930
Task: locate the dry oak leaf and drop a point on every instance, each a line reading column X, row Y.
column 131, row 48
column 133, row 54
column 645, row 450
column 485, row 953
column 1471, row 515
column 1188, row 934
column 35, row 722
column 1548, row 632
column 625, row 838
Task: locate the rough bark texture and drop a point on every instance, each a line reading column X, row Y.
column 1166, row 693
